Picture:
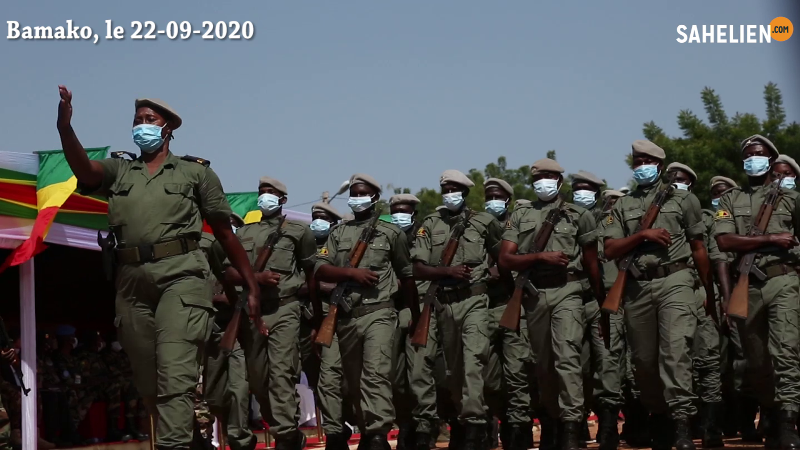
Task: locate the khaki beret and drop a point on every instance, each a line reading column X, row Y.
column 643, row 147
column 274, row 183
column 624, row 190
column 361, row 178
column 720, row 180
column 790, row 161
column 502, row 184
column 546, row 165
column 684, row 168
column 238, row 219
column 326, row 208
column 162, row 107
column 521, row 202
column 612, row 193
column 455, row 176
column 403, row 198
column 588, row 177
column 757, row 139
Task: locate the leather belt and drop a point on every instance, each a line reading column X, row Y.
column 556, row 280
column 280, row 302
column 655, row 273
column 363, row 310
column 776, row 270
column 458, row 295
column 154, row 252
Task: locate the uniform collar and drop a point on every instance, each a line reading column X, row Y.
column 273, row 218
column 170, row 162
column 647, row 189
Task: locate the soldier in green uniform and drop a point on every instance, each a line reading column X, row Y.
column 769, row 335
column 463, row 291
column 273, row 361
column 366, row 333
column 603, row 382
column 156, row 207
column 556, row 317
column 506, row 373
column 660, row 304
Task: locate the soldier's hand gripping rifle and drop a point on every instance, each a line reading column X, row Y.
column 11, row 373
column 511, row 315
column 328, row 327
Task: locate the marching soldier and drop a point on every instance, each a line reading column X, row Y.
column 787, row 166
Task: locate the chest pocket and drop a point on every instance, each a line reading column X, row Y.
column 631, row 218
column 781, row 220
column 472, row 244
column 180, row 200
column 250, row 249
column 282, row 258
column 563, row 237
column 377, row 256
column 527, row 233
column 669, row 217
column 743, row 216
column 119, row 201
column 343, row 253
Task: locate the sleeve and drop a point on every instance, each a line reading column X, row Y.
column 217, row 259
column 494, row 236
column 306, row 250
column 693, row 217
column 612, row 228
column 422, row 243
column 714, row 254
column 796, row 216
column 327, row 252
column 111, row 169
column 723, row 219
column 511, row 228
column 213, row 203
column 587, row 229
column 401, row 257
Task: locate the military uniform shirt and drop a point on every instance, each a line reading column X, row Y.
column 681, row 216
column 608, row 269
column 387, row 255
column 215, row 255
column 711, row 244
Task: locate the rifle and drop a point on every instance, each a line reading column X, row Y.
column 232, row 330
column 614, row 296
column 420, row 338
column 328, row 327
column 511, row 315
column 9, row 371
column 738, row 304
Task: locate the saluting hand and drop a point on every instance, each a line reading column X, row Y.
column 658, row 235
column 364, row 277
column 559, row 259
column 64, row 107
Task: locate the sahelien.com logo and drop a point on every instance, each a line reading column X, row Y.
column 780, row 29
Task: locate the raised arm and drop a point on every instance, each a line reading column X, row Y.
column 89, row 173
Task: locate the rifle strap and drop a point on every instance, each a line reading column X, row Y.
column 278, row 231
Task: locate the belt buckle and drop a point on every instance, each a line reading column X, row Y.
column 145, row 253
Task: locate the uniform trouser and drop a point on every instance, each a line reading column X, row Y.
column 402, row 396
column 607, row 366
column 661, row 319
column 309, row 361
column 770, row 341
column 465, row 345
column 706, row 354
column 555, row 324
column 164, row 324
column 227, row 393
column 506, row 373
column 273, row 366
column 366, row 347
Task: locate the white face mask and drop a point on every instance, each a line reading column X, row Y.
column 116, row 346
column 681, row 186
column 546, row 189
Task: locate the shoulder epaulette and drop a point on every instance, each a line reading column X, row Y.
column 121, row 154
column 197, row 160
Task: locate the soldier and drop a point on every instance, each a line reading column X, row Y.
column 556, row 317
column 603, row 385
column 769, row 335
column 660, row 305
column 366, row 333
column 68, row 367
column 122, row 374
column 273, row 361
column 506, row 391
column 463, row 291
column 787, row 166
column 156, row 207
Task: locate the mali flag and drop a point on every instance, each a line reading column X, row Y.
column 55, row 183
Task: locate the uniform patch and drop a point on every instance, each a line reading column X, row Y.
column 609, row 220
column 722, row 214
column 323, row 251
column 422, row 232
column 508, row 224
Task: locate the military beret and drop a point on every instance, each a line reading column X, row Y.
column 502, row 184
column 361, row 178
column 546, row 165
column 326, row 208
column 162, row 107
column 347, row 218
column 238, row 219
column 455, row 176
column 65, row 330
column 720, row 179
column 403, row 198
column 624, row 189
column 521, row 202
column 588, row 177
column 790, row 161
column 612, row 193
column 643, row 147
column 280, row 187
column 684, row 168
column 757, row 139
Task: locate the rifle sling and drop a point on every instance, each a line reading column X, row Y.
column 269, row 238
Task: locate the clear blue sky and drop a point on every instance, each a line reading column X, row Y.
column 398, row 90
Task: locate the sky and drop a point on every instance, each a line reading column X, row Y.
column 398, row 90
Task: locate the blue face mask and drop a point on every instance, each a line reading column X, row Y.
column 147, row 137
column 403, row 220
column 646, row 175
column 546, row 189
column 359, row 204
column 268, row 203
column 496, row 207
column 788, row 183
column 681, row 186
column 584, row 198
column 715, row 203
column 755, row 166
column 453, row 200
column 320, row 228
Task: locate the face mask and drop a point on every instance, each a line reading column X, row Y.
column 755, row 166
column 268, row 203
column 147, row 137
column 453, row 200
column 585, row 199
column 546, row 189
column 359, row 204
column 495, row 207
column 646, row 174
column 403, row 220
column 788, row 183
column 116, row 346
column 681, row 186
column 234, row 229
column 320, row 227
column 715, row 203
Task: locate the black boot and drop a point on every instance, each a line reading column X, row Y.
column 405, row 437
column 607, row 432
column 132, row 429
column 516, row 439
column 748, row 410
column 787, row 435
column 492, row 434
column 712, row 434
column 662, row 434
column 548, row 438
column 295, row 441
column 636, row 427
column 422, row 441
column 335, row 442
column 769, row 423
column 113, row 433
column 377, row 442
column 570, row 439
column 474, row 437
column 683, row 437
column 730, row 416
column 528, row 435
column 456, row 435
